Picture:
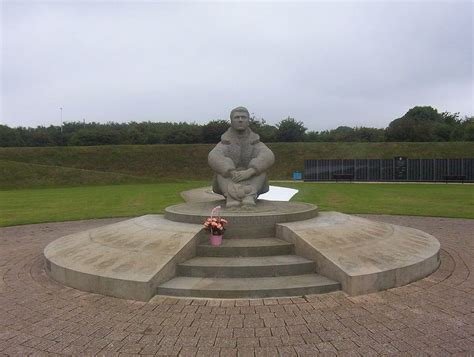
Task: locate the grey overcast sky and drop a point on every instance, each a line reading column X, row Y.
column 324, row 63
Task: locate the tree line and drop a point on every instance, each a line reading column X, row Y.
column 419, row 124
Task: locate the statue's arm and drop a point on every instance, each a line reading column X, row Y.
column 263, row 160
column 219, row 163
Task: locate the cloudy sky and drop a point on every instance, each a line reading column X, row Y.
column 324, row 63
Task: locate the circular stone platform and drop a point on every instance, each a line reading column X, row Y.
column 253, row 223
column 144, row 256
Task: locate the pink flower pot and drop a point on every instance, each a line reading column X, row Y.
column 216, row 240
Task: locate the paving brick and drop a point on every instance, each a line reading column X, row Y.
column 18, row 350
column 270, row 301
column 246, row 352
column 244, row 332
column 188, row 352
column 279, row 331
column 247, row 310
column 113, row 346
column 344, row 344
column 187, row 341
column 188, row 331
column 311, row 338
column 286, row 351
column 242, row 302
column 228, row 303
column 168, row 340
column 169, row 351
column 306, row 350
column 270, row 341
column 266, row 351
column 253, row 321
column 292, row 340
column 274, row 322
column 213, row 302
column 331, row 335
column 225, row 342
column 131, row 348
column 432, row 316
column 326, row 347
column 247, row 342
column 208, row 352
column 150, row 349
column 263, row 332
column 205, row 341
column 297, row 329
column 208, row 332
column 225, row 332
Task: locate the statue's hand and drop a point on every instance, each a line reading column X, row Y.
column 243, row 175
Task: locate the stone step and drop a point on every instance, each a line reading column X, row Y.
column 246, row 267
column 257, row 247
column 233, row 288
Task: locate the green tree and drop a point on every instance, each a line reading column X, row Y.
column 290, row 130
column 426, row 124
column 268, row 133
column 418, row 124
column 10, row 137
column 212, row 131
column 96, row 135
column 312, row 136
column 468, row 126
column 343, row 133
column 373, row 135
column 183, row 133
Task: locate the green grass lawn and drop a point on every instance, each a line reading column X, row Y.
column 437, row 200
column 87, row 202
column 61, row 204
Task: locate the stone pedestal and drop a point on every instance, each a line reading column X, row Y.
column 289, row 250
column 257, row 222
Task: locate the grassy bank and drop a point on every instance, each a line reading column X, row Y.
column 62, row 204
column 28, row 167
column 25, row 175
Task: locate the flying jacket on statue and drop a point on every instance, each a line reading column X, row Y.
column 240, row 152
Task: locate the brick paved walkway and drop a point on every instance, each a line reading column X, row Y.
column 434, row 316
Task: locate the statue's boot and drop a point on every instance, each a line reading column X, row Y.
column 250, row 200
column 230, row 202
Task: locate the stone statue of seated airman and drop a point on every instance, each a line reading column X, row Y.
column 240, row 162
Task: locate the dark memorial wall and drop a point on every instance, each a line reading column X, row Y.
column 400, row 168
column 396, row 169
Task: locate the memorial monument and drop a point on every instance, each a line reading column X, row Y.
column 270, row 248
column 240, row 162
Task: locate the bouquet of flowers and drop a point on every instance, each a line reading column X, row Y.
column 215, row 225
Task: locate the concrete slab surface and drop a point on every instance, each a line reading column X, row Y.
column 126, row 259
column 365, row 256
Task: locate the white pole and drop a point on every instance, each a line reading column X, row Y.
column 61, row 109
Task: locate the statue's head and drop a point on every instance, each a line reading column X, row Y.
column 239, row 119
